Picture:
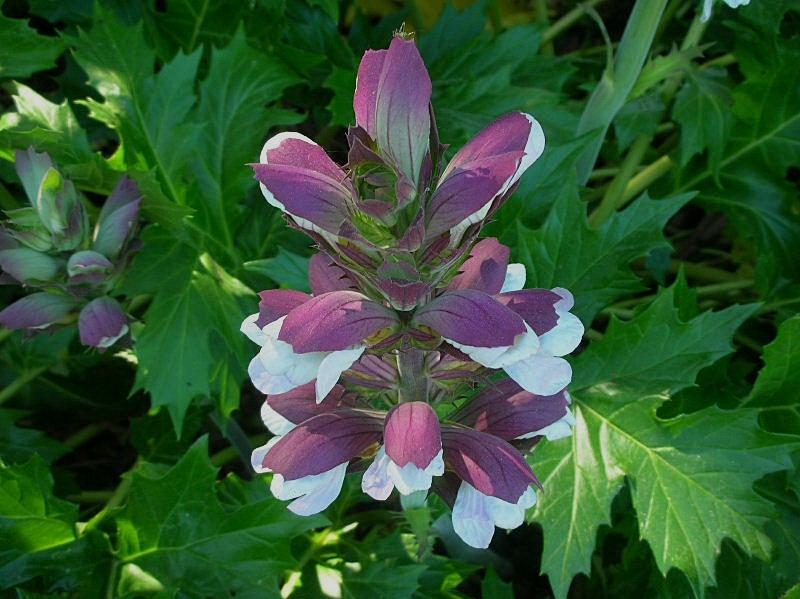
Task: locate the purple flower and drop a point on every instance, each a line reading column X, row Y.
column 408, row 308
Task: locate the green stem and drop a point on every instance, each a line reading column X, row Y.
column 231, row 430
column 544, row 19
column 82, row 436
column 26, row 377
column 644, row 178
column 568, row 20
column 91, row 496
column 725, row 287
column 117, row 498
column 615, row 192
column 616, row 83
column 413, row 385
column 703, row 272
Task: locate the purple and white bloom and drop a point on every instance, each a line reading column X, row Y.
column 118, row 218
column 708, row 4
column 411, row 454
column 317, row 339
column 37, row 311
column 310, row 461
column 482, row 172
column 403, row 293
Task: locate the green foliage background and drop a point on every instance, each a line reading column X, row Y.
column 124, row 474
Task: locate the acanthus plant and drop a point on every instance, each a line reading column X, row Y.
column 409, row 311
column 72, row 268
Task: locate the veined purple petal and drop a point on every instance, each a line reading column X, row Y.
column 373, row 372
column 485, row 169
column 36, row 311
column 536, row 306
column 334, row 321
column 298, row 177
column 366, row 97
column 118, row 218
column 507, row 411
column 471, row 317
column 491, row 465
column 325, row 275
column 27, row 265
column 300, row 404
column 102, row 322
column 276, row 303
column 88, row 267
column 323, row 442
column 485, row 269
column 393, row 92
column 412, row 434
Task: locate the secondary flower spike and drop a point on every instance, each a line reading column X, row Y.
column 375, row 371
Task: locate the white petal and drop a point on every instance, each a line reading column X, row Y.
column 326, row 490
column 458, row 230
column 411, row 478
column 278, row 369
column 332, row 367
column 737, row 3
column 525, row 344
column 515, row 278
column 539, row 374
column 252, row 330
column 557, row 430
column 376, row 481
column 275, row 423
column 259, row 453
column 471, row 519
column 706, row 10
column 564, row 337
column 504, row 514
column 567, row 300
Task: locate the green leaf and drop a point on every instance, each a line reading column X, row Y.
column 235, row 117
column 342, row 82
column 777, row 388
column 640, row 116
column 383, row 578
column 20, row 444
column 703, row 110
column 53, row 128
column 593, row 263
column 39, row 536
column 691, row 482
column 176, row 530
column 23, row 51
column 751, row 186
column 286, row 269
column 186, row 25
column 495, row 587
column 148, row 111
column 657, row 350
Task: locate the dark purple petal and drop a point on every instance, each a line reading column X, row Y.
column 412, row 434
column 366, row 97
column 393, row 92
column 276, row 303
column 334, row 321
column 485, row 269
column 300, row 404
column 102, row 322
column 486, row 168
column 27, row 265
column 325, row 275
column 507, row 411
column 88, row 267
column 491, row 465
column 536, row 306
column 118, row 218
column 466, row 192
column 323, row 442
column 471, row 317
column 36, row 311
column 306, row 194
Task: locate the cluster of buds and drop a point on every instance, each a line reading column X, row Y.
column 392, row 366
column 50, row 248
